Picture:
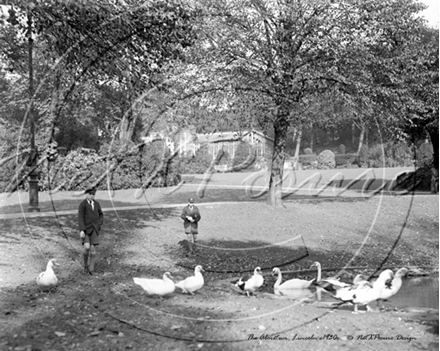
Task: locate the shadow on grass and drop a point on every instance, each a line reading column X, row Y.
column 68, row 224
column 108, row 311
column 68, row 205
column 235, row 256
column 168, row 196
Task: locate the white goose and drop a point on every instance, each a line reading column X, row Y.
column 327, row 282
column 47, row 280
column 251, row 284
column 364, row 292
column 155, row 286
column 193, row 283
column 394, row 286
column 291, row 284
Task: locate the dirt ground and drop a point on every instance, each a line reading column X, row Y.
column 107, row 311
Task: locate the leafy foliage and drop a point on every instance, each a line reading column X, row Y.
column 118, row 69
column 326, row 160
column 244, row 158
column 424, row 154
column 13, row 173
column 344, row 160
column 101, row 58
column 308, row 161
column 290, row 54
column 76, row 171
column 194, row 164
column 114, row 167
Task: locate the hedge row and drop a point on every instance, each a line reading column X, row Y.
column 115, row 166
column 386, row 155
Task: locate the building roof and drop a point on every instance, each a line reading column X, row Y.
column 220, row 136
column 206, row 138
column 226, row 136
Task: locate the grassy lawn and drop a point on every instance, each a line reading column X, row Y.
column 143, row 237
column 219, row 187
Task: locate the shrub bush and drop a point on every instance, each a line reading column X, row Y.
column 118, row 166
column 424, row 178
column 308, row 161
column 424, row 154
column 326, row 160
column 344, row 160
column 362, row 158
column 197, row 164
column 244, row 158
column 419, row 180
column 341, row 149
column 308, row 151
column 398, row 155
column 388, row 154
column 260, row 163
column 8, row 174
column 77, row 171
column 376, row 157
column 191, row 165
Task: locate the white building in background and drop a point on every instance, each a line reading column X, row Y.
column 229, row 141
column 164, row 135
column 187, row 143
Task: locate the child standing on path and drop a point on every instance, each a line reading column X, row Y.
column 90, row 218
column 191, row 216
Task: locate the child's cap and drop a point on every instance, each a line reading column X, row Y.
column 91, row 191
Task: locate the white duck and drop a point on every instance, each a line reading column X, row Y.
column 155, row 286
column 394, row 286
column 47, row 280
column 251, row 284
column 364, row 292
column 292, row 284
column 193, row 283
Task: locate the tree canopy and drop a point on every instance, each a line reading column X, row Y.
column 292, row 52
column 108, row 70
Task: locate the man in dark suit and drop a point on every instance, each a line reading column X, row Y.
column 90, row 218
column 191, row 217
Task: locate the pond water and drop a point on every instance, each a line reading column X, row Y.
column 417, row 292
column 420, row 292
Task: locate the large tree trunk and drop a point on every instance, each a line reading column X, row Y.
column 361, row 139
column 295, row 131
column 128, row 122
column 433, row 135
column 124, row 132
column 54, row 107
column 298, row 142
column 353, row 139
column 132, row 124
column 129, row 119
column 366, row 137
column 281, row 125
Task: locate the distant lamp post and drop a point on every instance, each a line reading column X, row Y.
column 33, row 175
column 33, row 181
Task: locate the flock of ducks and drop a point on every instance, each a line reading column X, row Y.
column 361, row 292
column 166, row 286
